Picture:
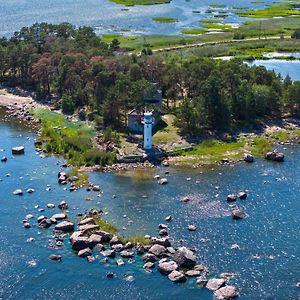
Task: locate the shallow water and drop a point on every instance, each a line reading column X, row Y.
column 107, row 17
column 266, row 263
column 282, row 67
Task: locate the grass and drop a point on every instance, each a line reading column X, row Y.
column 218, row 26
column 283, row 9
column 137, row 239
column 83, row 177
column 105, row 226
column 165, row 20
column 193, row 31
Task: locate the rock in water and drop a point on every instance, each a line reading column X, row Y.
column 242, row 195
column 167, row 267
column 163, row 181
column 176, row 276
column 248, row 158
column 18, row 192
column 65, row 226
column 55, row 257
column 231, row 198
column 85, row 252
column 185, row 258
column 18, row 150
column 215, row 283
column 226, row 292
column 192, row 227
column 237, row 214
column 157, row 250
column 275, row 156
column 4, row 159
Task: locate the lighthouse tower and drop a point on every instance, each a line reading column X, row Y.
column 148, row 121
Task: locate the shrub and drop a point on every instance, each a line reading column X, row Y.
column 67, row 104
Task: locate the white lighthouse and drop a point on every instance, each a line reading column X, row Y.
column 148, row 121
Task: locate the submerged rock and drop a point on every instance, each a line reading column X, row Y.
column 55, row 257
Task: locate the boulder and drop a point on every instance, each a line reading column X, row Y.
column 168, row 218
column 163, row 181
column 192, row 227
column 237, row 214
column 126, row 254
column 199, row 268
column 185, row 258
column 149, row 265
column 45, row 223
column 167, row 267
column 59, row 216
column 105, row 236
column 176, row 276
column 231, row 198
column 95, row 239
column 63, row 205
column 55, row 257
column 248, row 158
column 51, row 205
column 163, row 232
column 226, row 292
column 26, row 225
column 162, row 241
column 201, row 282
column 185, row 199
column 162, row 226
column 215, row 283
column 4, row 159
column 275, row 156
column 157, row 250
column 192, row 273
column 99, row 247
column 65, row 226
column 148, row 257
column 85, row 221
column 30, row 191
column 109, row 253
column 18, row 192
column 96, row 188
column 115, row 240
column 88, row 227
column 242, row 195
column 120, row 262
column 117, row 247
column 19, row 150
column 85, row 252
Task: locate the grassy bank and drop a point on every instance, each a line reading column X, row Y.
column 71, row 139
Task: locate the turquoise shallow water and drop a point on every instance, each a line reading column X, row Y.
column 107, row 17
column 266, row 264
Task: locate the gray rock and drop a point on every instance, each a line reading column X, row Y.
column 237, row 214
column 85, row 252
column 55, row 257
column 248, row 158
column 26, row 225
column 275, row 156
column 176, row 276
column 162, row 226
column 86, row 221
column 242, row 195
column 88, row 227
column 106, row 237
column 18, row 192
column 199, row 268
column 192, row 227
column 163, row 232
column 231, row 198
column 30, row 191
column 148, row 257
column 149, row 265
column 4, row 159
column 51, row 205
column 115, row 240
column 226, row 292
column 168, row 218
column 185, row 258
column 65, row 226
column 120, row 262
column 109, row 253
column 19, row 150
column 157, row 250
column 163, row 181
column 201, row 282
column 162, row 242
column 171, row 250
column 59, row 216
column 167, row 267
column 215, row 283
column 117, row 247
column 99, row 247
column 63, row 205
column 192, row 273
column 126, row 254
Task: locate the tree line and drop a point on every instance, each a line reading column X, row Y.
column 77, row 71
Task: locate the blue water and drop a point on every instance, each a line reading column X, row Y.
column 107, row 17
column 266, row 264
column 282, row 67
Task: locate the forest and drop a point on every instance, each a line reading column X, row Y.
column 78, row 72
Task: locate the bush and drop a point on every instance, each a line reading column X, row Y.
column 296, row 34
column 67, row 104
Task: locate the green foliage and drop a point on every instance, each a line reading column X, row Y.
column 67, row 104
column 137, row 239
column 105, row 226
column 165, row 20
column 296, row 34
column 83, row 177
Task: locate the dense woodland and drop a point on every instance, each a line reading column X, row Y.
column 79, row 72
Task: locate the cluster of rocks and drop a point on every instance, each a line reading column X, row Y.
column 128, row 166
column 237, row 213
column 21, row 113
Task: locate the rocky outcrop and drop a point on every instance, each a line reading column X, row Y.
column 185, row 258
